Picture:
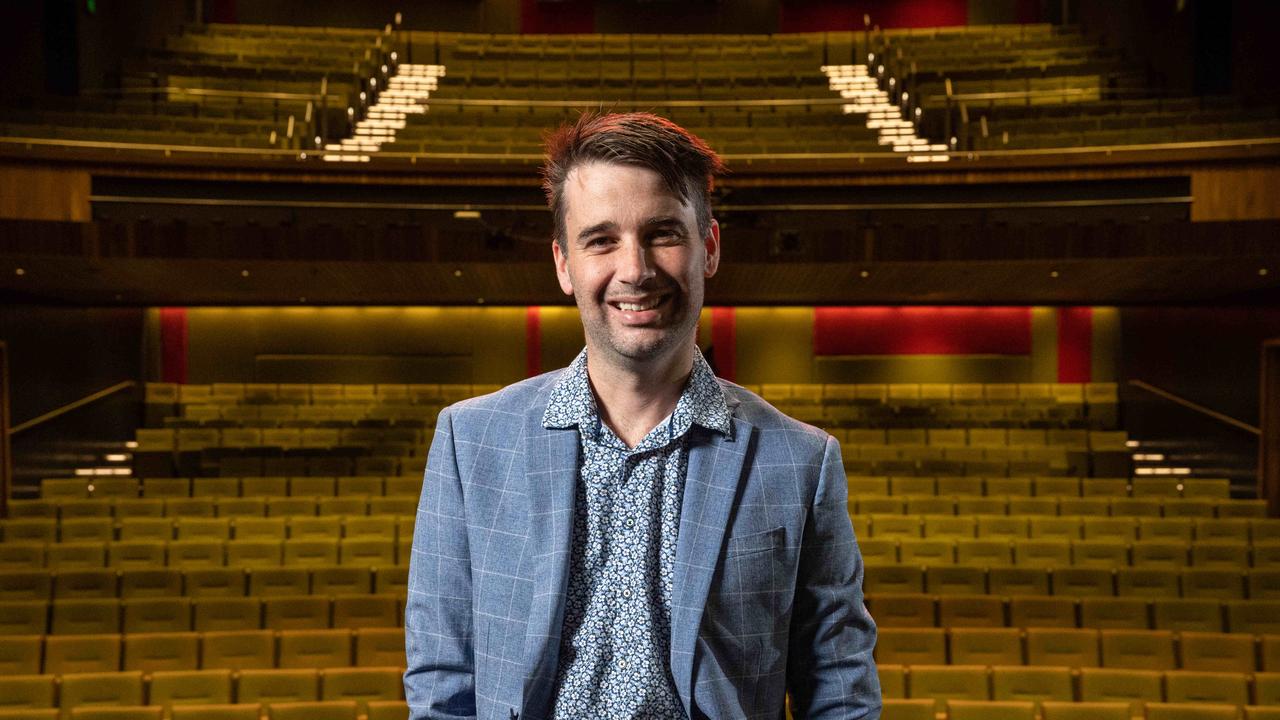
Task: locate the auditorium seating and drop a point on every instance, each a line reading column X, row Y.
column 1035, row 87
column 998, row 593
column 988, row 87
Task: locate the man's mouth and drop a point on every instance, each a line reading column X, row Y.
column 639, row 305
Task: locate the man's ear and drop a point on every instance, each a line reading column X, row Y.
column 712, row 244
column 562, row 268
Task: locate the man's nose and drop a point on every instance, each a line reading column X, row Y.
column 636, row 264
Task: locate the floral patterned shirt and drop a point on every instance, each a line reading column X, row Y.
column 615, row 643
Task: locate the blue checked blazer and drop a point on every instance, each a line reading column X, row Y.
column 767, row 594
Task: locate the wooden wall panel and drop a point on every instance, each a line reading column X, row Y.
column 43, row 193
column 1251, row 193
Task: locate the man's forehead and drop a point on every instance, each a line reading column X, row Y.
column 600, row 177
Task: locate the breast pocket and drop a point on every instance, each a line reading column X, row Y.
column 753, row 543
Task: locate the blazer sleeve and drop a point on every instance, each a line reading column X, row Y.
column 439, row 679
column 830, row 670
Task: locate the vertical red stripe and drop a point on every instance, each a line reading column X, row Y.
column 724, row 342
column 563, row 16
column 173, row 345
column 1075, row 344
column 871, row 330
column 532, row 341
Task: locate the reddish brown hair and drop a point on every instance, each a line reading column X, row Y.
column 685, row 163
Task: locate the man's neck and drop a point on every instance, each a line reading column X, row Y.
column 633, row 400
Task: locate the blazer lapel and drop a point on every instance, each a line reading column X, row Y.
column 711, row 484
column 551, row 458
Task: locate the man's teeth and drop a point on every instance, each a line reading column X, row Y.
column 633, row 307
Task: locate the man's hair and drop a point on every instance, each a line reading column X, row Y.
column 685, row 163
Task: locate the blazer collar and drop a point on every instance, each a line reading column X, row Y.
column 551, row 464
column 716, row 469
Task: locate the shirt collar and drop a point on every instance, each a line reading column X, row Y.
column 701, row 403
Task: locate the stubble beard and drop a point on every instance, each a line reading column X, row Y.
column 636, row 346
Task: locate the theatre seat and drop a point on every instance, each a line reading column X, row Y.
column 26, row 691
column 1207, row 687
column 1056, row 710
column 192, row 687
column 238, row 711
column 1031, row 683
column 948, row 682
column 333, row 710
column 990, row 710
column 278, row 686
column 1191, row 711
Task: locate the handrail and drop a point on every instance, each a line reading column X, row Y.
column 76, row 404
column 1018, row 94
column 204, row 92
column 968, row 155
column 1214, row 414
column 769, row 102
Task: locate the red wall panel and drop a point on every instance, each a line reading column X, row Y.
column 820, row 15
column 1075, row 344
column 566, row 16
column 922, row 331
column 724, row 341
column 173, row 345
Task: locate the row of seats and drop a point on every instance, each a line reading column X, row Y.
column 242, row 518
column 1036, row 518
column 980, row 437
column 308, row 393
column 366, row 551
column 1096, row 503
column 1072, row 647
column 146, row 615
column 279, row 462
column 231, row 487
column 207, row 694
column 1027, row 486
column 1057, row 552
column 1043, row 611
column 293, row 527
column 161, row 582
column 228, row 434
column 213, row 506
column 902, row 709
column 830, row 393
column 217, row 650
column 1033, row 685
column 1005, row 581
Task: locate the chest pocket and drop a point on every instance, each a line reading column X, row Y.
column 741, row 545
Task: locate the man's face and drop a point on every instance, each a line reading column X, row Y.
column 634, row 262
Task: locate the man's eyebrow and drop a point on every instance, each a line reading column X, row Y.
column 664, row 220
column 597, row 228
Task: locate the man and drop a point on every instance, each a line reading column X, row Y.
column 631, row 537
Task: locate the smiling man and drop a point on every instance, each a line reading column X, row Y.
column 631, row 537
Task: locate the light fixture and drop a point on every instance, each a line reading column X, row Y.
column 19, row 272
column 1053, row 273
column 457, row 273
column 244, row 273
column 1262, row 271
column 865, row 273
